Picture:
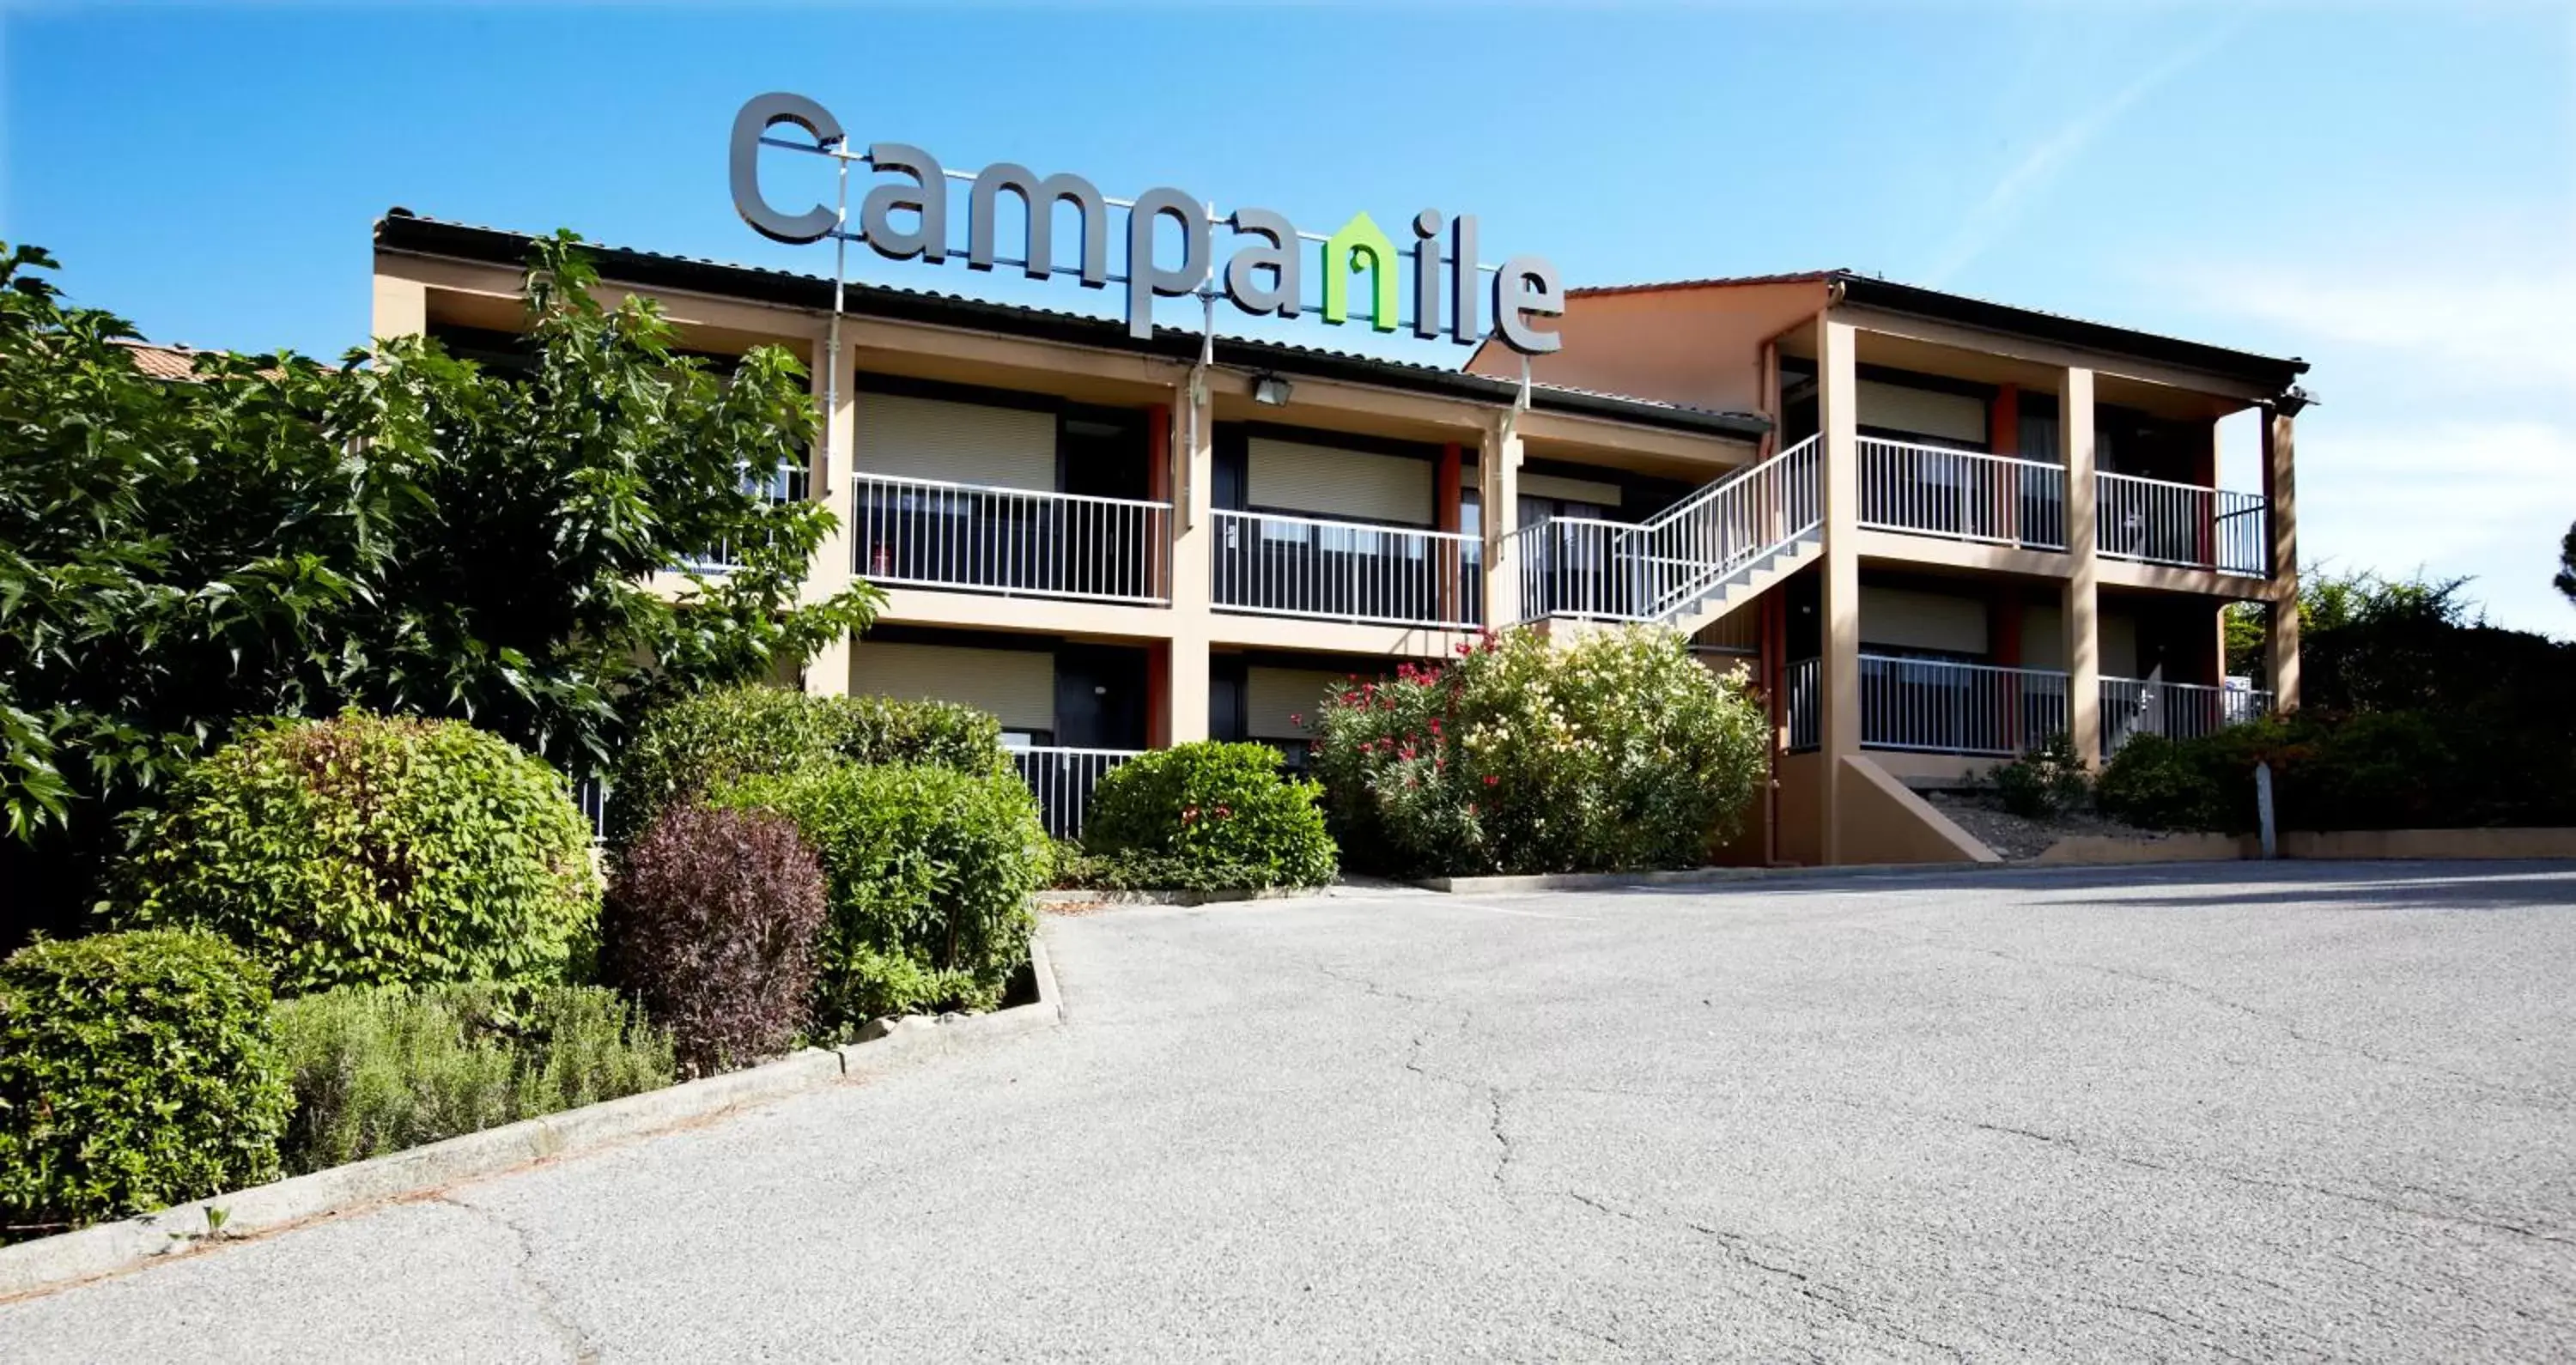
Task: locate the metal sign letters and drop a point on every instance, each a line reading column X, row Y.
column 907, row 219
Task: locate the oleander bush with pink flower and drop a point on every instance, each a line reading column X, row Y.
column 1620, row 751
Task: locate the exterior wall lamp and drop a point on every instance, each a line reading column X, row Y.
column 1270, row 390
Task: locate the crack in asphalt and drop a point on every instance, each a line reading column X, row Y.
column 2291, row 1026
column 1832, row 1297
column 550, row 1309
column 2075, row 1147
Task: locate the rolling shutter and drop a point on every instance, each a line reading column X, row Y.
column 931, row 438
column 1922, row 620
column 1948, row 417
column 1272, row 695
column 1570, row 490
column 1322, row 481
column 1017, row 685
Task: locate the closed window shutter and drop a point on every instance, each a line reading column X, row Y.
column 1922, row 620
column 1946, row 418
column 1322, row 481
column 932, row 438
column 1563, row 489
column 1272, row 695
column 1017, row 685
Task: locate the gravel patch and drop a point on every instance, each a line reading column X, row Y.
column 2019, row 838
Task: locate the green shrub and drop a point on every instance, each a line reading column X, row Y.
column 2156, row 783
column 1215, row 811
column 1619, row 751
column 136, row 1072
column 2043, row 783
column 376, row 1069
column 1075, row 870
column 928, row 871
column 707, row 740
column 371, row 850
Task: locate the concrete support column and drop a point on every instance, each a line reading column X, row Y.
column 2281, row 503
column 2082, row 613
column 1192, row 453
column 401, row 308
column 1838, row 419
column 1498, row 488
column 828, row 481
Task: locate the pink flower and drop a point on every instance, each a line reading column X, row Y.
column 1490, row 779
column 1296, row 718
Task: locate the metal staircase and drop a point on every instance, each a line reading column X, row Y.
column 1687, row 565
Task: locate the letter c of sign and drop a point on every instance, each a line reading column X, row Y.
column 758, row 116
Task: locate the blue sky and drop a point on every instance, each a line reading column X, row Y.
column 2390, row 193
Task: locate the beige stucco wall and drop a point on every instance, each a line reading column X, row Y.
column 1701, row 346
column 1919, row 619
column 1882, row 822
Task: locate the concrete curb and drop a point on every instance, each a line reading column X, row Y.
column 1182, row 898
column 106, row 1248
column 1708, row 876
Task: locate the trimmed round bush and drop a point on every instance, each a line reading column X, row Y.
column 372, row 850
column 1223, row 813
column 1619, row 751
column 376, row 1069
column 928, row 872
column 711, row 924
column 136, row 1072
column 711, row 738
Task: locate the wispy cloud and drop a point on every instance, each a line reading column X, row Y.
column 2003, row 204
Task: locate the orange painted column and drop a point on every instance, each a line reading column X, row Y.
column 2003, row 437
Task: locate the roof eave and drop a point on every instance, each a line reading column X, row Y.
column 403, row 232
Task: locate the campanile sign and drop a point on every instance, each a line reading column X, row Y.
column 907, row 218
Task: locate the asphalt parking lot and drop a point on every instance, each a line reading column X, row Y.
column 2306, row 1111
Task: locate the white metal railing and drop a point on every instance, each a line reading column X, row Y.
column 1280, row 565
column 591, row 795
column 2156, row 521
column 785, row 484
column 1012, row 541
column 1062, row 780
column 2137, row 706
column 1659, row 568
column 1804, row 703
column 1937, row 706
column 1962, row 495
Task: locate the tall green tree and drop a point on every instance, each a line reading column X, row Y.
column 2565, row 581
column 409, row 532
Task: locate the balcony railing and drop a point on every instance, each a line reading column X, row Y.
column 2134, row 706
column 1962, row 495
column 1010, row 541
column 1804, row 703
column 785, row 484
column 1278, row 565
column 1062, row 780
column 1661, row 567
column 1936, row 706
column 2154, row 521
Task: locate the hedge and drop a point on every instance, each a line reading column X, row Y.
column 136, row 1072
column 372, row 850
column 1214, row 814
column 705, row 741
column 928, row 872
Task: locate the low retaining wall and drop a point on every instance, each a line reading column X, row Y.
column 2359, row 844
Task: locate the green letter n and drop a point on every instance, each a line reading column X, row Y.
column 1359, row 245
